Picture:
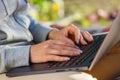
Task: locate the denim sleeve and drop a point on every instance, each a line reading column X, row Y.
column 39, row 31
column 13, row 56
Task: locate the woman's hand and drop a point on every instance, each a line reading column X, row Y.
column 52, row 50
column 70, row 34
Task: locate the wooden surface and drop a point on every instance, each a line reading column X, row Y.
column 106, row 69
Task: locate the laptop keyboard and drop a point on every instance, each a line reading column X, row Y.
column 88, row 50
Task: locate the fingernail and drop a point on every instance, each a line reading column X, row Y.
column 78, row 52
column 66, row 58
column 76, row 41
column 89, row 35
column 85, row 42
column 92, row 38
column 81, row 51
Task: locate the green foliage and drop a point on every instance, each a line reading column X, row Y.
column 45, row 9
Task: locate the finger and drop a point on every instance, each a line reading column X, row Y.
column 68, row 41
column 57, row 58
column 65, row 42
column 75, row 32
column 65, row 51
column 82, row 41
column 87, row 36
column 78, row 36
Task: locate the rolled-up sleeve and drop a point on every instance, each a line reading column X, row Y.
column 39, row 31
column 13, row 56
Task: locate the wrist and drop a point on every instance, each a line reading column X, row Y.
column 52, row 33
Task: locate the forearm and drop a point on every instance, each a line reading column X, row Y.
column 39, row 31
column 13, row 56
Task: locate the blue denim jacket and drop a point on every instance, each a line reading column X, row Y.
column 17, row 31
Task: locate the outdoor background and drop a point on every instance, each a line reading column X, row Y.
column 83, row 13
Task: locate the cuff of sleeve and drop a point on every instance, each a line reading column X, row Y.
column 41, row 32
column 17, row 56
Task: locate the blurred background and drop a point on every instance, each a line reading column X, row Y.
column 86, row 14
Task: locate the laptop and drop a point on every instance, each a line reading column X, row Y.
column 92, row 53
